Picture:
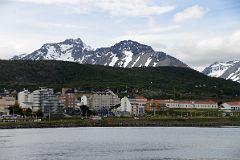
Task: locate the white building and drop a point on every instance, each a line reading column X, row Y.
column 190, row 104
column 126, row 107
column 138, row 106
column 25, row 99
column 84, row 100
column 102, row 100
column 43, row 99
column 233, row 106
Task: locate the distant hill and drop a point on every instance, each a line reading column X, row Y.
column 152, row 82
column 126, row 53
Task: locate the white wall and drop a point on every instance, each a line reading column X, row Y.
column 125, row 105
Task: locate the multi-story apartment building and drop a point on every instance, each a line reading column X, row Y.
column 42, row 99
column 45, row 100
column 100, row 100
column 132, row 107
column 25, row 99
column 103, row 100
column 138, row 105
column 69, row 98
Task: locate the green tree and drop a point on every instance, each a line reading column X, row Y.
column 15, row 109
column 28, row 112
column 39, row 113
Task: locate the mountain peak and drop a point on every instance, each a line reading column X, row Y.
column 71, row 40
column 133, row 46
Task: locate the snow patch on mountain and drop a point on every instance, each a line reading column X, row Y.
column 148, row 61
column 114, row 60
column 127, row 58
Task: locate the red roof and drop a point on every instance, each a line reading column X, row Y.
column 236, row 103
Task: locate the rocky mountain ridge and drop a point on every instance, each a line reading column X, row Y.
column 126, row 53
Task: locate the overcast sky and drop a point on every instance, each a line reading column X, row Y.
column 198, row 32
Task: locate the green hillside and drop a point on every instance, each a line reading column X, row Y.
column 158, row 82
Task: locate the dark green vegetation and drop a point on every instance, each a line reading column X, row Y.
column 16, row 110
column 159, row 82
column 128, row 122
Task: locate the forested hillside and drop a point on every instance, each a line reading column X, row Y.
column 152, row 82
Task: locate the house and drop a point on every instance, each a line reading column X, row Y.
column 233, row 106
column 138, row 105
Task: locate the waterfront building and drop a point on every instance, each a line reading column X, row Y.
column 233, row 106
column 138, row 105
column 101, row 100
column 5, row 103
column 85, row 100
column 158, row 105
column 125, row 108
column 25, row 99
column 68, row 98
column 45, row 100
column 192, row 104
column 42, row 99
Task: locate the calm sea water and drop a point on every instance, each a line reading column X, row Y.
column 120, row 144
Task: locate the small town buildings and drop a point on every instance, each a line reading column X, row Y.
column 132, row 107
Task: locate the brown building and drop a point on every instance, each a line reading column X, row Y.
column 69, row 98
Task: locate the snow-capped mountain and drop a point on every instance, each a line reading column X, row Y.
column 126, row 53
column 226, row 70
